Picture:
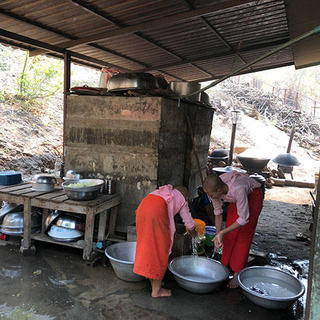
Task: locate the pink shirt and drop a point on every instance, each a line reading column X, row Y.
column 240, row 186
column 176, row 203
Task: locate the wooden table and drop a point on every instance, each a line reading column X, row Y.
column 103, row 205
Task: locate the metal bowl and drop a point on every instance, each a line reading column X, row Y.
column 70, row 222
column 64, row 234
column 184, row 88
column 269, row 287
column 12, row 223
column 122, row 256
column 253, row 163
column 53, row 216
column 83, row 193
column 132, row 81
column 74, row 174
column 44, row 179
column 198, row 274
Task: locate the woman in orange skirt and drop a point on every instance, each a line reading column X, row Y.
column 155, row 231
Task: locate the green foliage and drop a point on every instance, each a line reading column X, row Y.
column 40, row 78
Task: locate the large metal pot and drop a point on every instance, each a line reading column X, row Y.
column 122, row 256
column 183, row 88
column 132, row 81
column 286, row 160
column 83, row 193
column 254, row 163
column 269, row 287
column 198, row 274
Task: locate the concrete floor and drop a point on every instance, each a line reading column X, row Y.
column 57, row 284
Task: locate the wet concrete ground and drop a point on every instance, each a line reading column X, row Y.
column 57, row 284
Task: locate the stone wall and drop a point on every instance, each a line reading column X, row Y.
column 141, row 142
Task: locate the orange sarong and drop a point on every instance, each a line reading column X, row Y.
column 236, row 244
column 153, row 238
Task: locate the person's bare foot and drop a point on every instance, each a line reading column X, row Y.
column 161, row 293
column 233, row 283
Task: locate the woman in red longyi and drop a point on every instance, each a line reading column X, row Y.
column 155, row 231
column 245, row 197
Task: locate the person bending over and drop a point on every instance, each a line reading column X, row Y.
column 155, row 232
column 245, row 197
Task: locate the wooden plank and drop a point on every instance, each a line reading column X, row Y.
column 52, row 195
column 14, row 187
column 44, row 238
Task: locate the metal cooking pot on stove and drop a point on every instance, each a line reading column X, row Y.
column 286, row 160
column 218, row 154
column 184, row 88
column 254, row 163
column 132, row 81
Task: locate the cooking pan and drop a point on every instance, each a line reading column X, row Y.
column 252, row 162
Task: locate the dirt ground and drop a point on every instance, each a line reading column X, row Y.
column 286, row 212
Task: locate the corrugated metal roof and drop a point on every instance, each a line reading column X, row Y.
column 153, row 35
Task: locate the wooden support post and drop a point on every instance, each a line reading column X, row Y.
column 67, row 82
column 112, row 220
column 45, row 213
column 88, row 235
column 26, row 241
column 102, row 225
column 233, row 136
column 313, row 294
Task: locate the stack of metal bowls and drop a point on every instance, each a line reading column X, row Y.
column 43, row 182
column 12, row 223
column 64, row 227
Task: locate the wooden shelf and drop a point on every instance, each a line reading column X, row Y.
column 45, row 238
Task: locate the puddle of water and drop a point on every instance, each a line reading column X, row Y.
column 11, row 272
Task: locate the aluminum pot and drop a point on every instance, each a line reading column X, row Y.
column 74, row 174
column 198, row 274
column 132, row 81
column 183, row 88
column 43, row 182
column 269, row 287
column 122, row 256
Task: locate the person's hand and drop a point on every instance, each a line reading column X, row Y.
column 218, row 240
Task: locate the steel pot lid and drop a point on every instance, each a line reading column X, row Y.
column 286, row 160
column 44, row 179
column 218, row 154
column 227, row 169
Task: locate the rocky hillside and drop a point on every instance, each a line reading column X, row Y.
column 32, row 129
